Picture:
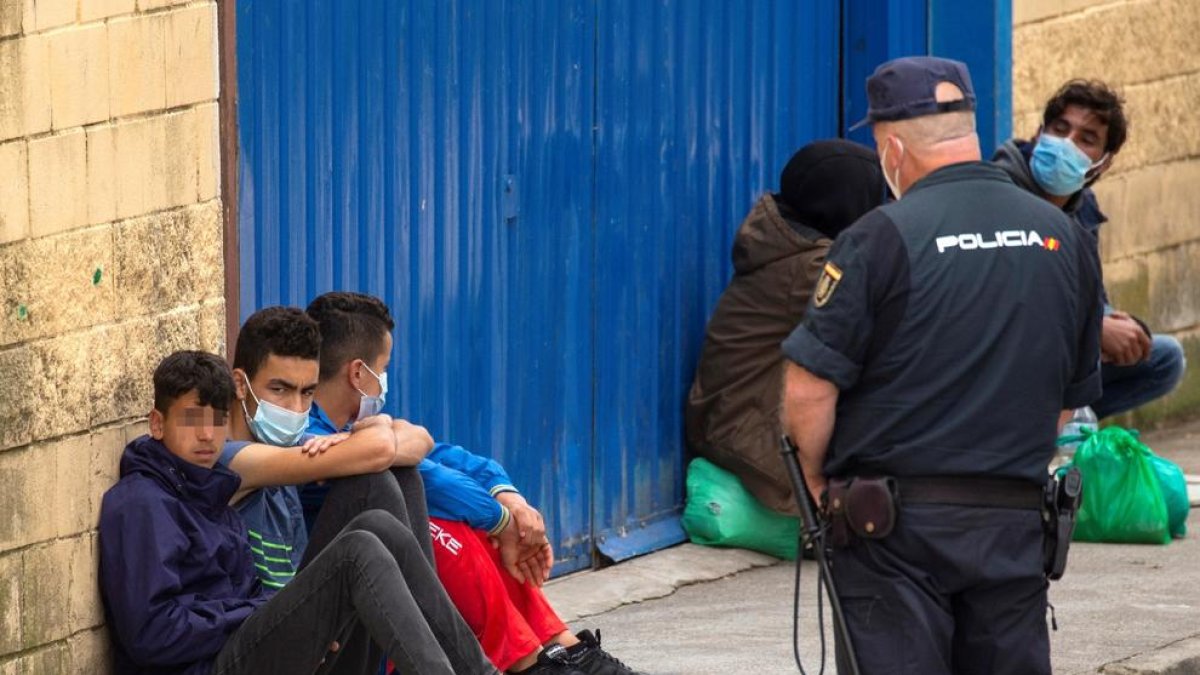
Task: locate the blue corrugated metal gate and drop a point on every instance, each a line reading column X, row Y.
column 545, row 193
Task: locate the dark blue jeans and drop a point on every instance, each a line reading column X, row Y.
column 373, row 575
column 953, row 590
column 1127, row 387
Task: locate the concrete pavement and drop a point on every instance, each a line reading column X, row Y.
column 1126, row 610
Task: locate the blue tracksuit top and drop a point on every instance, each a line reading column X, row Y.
column 459, row 485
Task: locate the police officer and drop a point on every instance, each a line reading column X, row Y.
column 949, row 332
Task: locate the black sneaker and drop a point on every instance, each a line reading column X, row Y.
column 590, row 659
column 554, row 660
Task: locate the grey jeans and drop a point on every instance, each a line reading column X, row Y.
column 398, row 491
column 374, row 575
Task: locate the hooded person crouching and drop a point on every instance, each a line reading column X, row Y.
column 733, row 406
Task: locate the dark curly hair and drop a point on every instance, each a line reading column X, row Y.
column 282, row 331
column 184, row 371
column 353, row 326
column 1097, row 97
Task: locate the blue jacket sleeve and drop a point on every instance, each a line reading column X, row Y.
column 486, row 472
column 454, row 495
column 140, row 550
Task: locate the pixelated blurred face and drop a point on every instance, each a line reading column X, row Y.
column 192, row 432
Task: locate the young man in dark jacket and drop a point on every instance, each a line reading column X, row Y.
column 177, row 576
column 733, row 407
column 1083, row 129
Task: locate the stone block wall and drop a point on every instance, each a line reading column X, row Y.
column 1150, row 51
column 110, row 257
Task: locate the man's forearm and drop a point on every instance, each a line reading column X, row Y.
column 413, row 443
column 809, row 410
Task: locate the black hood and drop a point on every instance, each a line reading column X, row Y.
column 827, row 185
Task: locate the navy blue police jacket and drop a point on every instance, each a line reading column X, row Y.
column 956, row 324
column 176, row 574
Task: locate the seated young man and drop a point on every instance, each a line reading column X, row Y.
column 178, row 580
column 480, row 522
column 732, row 413
column 1083, row 129
column 276, row 374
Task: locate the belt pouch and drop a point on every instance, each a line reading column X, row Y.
column 871, row 506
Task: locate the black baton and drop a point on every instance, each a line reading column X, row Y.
column 814, row 534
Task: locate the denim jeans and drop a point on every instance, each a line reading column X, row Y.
column 399, row 492
column 372, row 574
column 1127, row 387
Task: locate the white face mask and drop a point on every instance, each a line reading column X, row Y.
column 893, row 185
column 369, row 406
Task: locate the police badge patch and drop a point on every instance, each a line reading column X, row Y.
column 827, row 284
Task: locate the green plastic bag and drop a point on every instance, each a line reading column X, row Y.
column 1122, row 499
column 721, row 512
column 1175, row 494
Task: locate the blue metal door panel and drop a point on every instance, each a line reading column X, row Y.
column 980, row 35
column 699, row 105
column 438, row 154
column 876, row 31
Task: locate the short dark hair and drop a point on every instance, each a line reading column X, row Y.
column 1097, row 97
column 353, row 326
column 282, row 331
column 183, row 371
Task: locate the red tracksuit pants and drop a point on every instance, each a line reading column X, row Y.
column 510, row 619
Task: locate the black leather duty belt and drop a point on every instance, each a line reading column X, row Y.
column 1004, row 493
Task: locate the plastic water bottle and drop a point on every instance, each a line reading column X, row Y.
column 1084, row 418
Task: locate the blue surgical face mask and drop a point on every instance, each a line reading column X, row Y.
column 273, row 424
column 1059, row 166
column 369, row 406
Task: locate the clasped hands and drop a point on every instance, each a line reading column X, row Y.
column 525, row 551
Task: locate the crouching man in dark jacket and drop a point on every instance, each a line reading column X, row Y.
column 778, row 254
column 178, row 581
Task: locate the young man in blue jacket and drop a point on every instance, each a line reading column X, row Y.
column 178, row 580
column 276, row 374
column 480, row 523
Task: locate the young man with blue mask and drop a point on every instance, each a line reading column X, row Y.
column 1083, row 129
column 276, row 374
column 275, row 370
column 178, row 577
column 490, row 544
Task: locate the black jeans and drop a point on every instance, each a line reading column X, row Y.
column 372, row 574
column 399, row 491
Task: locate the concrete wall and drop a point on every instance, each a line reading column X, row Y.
column 110, row 257
column 1150, row 50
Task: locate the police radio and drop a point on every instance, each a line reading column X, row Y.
column 813, row 532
